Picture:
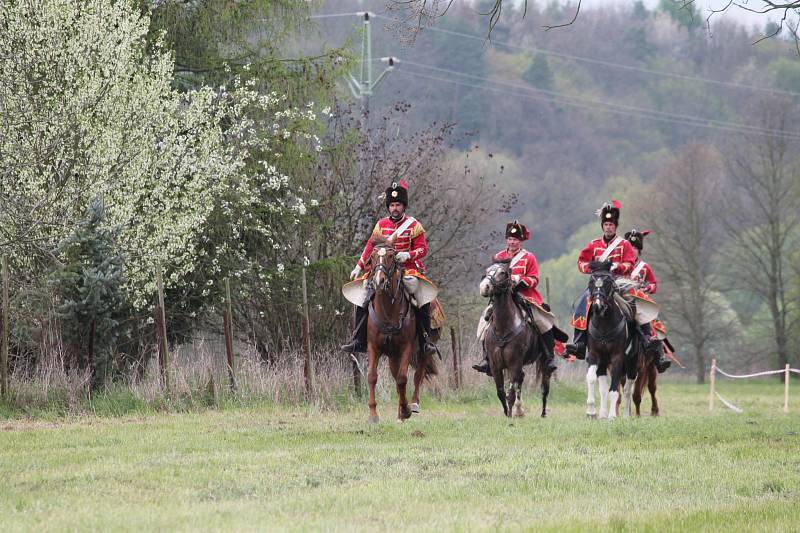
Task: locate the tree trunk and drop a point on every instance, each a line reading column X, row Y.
column 700, row 362
column 90, row 355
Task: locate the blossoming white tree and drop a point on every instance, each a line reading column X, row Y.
column 87, row 109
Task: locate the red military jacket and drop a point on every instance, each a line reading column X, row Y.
column 411, row 240
column 645, row 277
column 528, row 271
column 623, row 255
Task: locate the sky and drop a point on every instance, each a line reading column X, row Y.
column 735, row 13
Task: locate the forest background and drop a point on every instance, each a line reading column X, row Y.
column 217, row 140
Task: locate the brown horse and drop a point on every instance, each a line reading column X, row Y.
column 392, row 331
column 648, row 373
column 510, row 340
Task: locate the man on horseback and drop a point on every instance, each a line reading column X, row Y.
column 409, row 241
column 609, row 247
column 643, row 274
column 525, row 279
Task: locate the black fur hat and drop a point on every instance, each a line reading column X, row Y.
column 636, row 238
column 397, row 192
column 610, row 212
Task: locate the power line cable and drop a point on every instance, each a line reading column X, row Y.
column 334, row 15
column 556, row 95
column 703, row 123
column 643, row 70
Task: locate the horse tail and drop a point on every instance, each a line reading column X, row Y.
column 538, row 377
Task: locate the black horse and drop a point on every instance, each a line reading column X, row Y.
column 613, row 346
column 511, row 341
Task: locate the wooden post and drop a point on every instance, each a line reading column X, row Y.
column 786, row 390
column 354, row 363
column 711, row 374
column 308, row 369
column 162, row 329
column 454, row 345
column 228, row 329
column 4, row 342
column 458, row 338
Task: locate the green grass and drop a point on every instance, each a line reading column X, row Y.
column 457, row 466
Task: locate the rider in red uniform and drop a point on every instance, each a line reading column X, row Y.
column 525, row 280
column 622, row 258
column 411, row 247
column 643, row 273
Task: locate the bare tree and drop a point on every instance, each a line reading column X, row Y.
column 761, row 216
column 417, row 14
column 685, row 241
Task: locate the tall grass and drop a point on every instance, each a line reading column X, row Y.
column 199, row 379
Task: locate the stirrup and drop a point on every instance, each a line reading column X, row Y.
column 578, row 350
column 429, row 349
column 483, row 367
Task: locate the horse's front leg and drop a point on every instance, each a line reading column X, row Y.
column 617, row 371
column 651, row 386
column 627, row 392
column 545, row 392
column 591, row 381
column 519, row 377
column 637, row 391
column 419, row 377
column 500, row 386
column 400, row 373
column 602, row 382
column 372, row 380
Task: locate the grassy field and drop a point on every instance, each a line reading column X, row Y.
column 457, row 466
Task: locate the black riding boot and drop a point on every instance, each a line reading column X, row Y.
column 359, row 342
column 656, row 347
column 647, row 340
column 578, row 346
column 424, row 330
column 548, row 350
column 484, row 365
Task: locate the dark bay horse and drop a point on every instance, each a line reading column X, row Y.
column 646, row 377
column 392, row 331
column 509, row 340
column 608, row 346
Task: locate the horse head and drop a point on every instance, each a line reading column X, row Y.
column 601, row 286
column 384, row 264
column 497, row 279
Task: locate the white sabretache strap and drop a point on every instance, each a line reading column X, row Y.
column 516, row 258
column 638, row 269
column 610, row 248
column 404, row 226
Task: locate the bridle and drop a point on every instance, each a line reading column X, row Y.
column 388, row 270
column 601, row 289
column 498, row 287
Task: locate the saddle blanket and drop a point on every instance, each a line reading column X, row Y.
column 543, row 320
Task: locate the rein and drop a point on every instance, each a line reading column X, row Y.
column 508, row 337
column 386, row 328
column 504, row 288
column 607, row 336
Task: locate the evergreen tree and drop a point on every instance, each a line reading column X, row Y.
column 89, row 283
column 539, row 73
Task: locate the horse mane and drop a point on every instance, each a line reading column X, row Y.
column 380, row 240
column 624, row 306
column 502, row 261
